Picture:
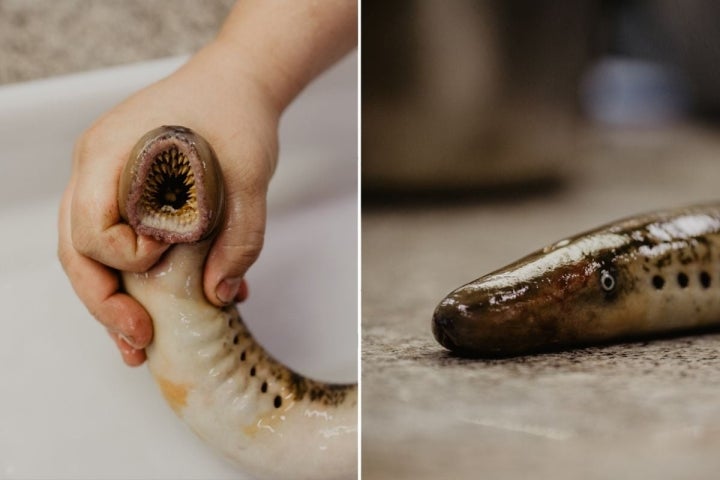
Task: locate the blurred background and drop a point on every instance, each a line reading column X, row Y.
column 491, row 128
column 41, row 38
column 484, row 94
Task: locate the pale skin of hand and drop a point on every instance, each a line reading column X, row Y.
column 233, row 93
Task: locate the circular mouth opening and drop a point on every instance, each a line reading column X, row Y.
column 170, row 190
column 171, row 187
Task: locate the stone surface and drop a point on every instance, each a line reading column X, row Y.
column 41, row 38
column 647, row 409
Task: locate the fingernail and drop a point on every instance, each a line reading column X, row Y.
column 242, row 293
column 129, row 340
column 227, row 289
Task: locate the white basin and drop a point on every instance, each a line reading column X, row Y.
column 70, row 408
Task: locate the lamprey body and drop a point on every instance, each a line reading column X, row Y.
column 643, row 276
column 271, row 421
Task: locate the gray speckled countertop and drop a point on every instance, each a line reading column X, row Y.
column 41, row 38
column 644, row 410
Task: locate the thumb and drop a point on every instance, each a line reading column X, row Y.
column 237, row 246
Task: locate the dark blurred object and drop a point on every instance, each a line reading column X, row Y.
column 692, row 31
column 661, row 63
column 469, row 94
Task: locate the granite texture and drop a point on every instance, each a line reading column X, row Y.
column 41, row 38
column 647, row 409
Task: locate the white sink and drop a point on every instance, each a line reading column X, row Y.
column 70, row 408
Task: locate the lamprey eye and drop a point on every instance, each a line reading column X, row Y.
column 607, row 281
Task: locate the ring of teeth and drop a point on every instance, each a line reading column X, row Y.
column 169, row 199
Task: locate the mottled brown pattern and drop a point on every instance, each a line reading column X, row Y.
column 565, row 304
column 257, row 369
column 297, row 385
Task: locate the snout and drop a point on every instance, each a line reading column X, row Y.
column 475, row 322
column 463, row 324
column 443, row 327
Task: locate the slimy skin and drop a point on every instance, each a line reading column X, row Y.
column 644, row 276
column 269, row 420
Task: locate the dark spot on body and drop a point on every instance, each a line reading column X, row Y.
column 328, row 394
column 706, row 256
column 298, row 387
column 682, row 280
column 278, row 401
column 658, row 282
column 663, row 261
column 299, row 384
column 236, row 338
column 687, row 257
column 705, row 279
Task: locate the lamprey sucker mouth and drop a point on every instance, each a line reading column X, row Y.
column 269, row 420
column 172, row 187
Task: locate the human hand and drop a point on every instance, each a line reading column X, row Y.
column 232, row 93
column 239, row 120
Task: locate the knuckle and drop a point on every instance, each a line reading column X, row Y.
column 96, row 312
column 81, row 241
column 249, row 253
column 83, row 146
column 239, row 256
column 85, row 142
column 252, row 246
column 251, row 178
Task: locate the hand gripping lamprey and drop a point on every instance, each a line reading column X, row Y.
column 269, row 420
column 651, row 274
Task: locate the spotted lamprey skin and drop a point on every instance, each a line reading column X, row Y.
column 639, row 277
column 270, row 421
column 262, row 416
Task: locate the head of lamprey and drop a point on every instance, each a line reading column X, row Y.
column 172, row 188
column 567, row 294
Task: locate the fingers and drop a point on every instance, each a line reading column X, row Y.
column 243, row 292
column 237, row 246
column 116, row 246
column 98, row 288
column 131, row 356
column 95, row 224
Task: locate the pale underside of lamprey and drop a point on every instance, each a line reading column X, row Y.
column 644, row 276
column 269, row 420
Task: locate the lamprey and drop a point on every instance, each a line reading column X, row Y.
column 643, row 276
column 271, row 421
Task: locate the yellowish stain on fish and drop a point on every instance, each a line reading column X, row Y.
column 175, row 394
